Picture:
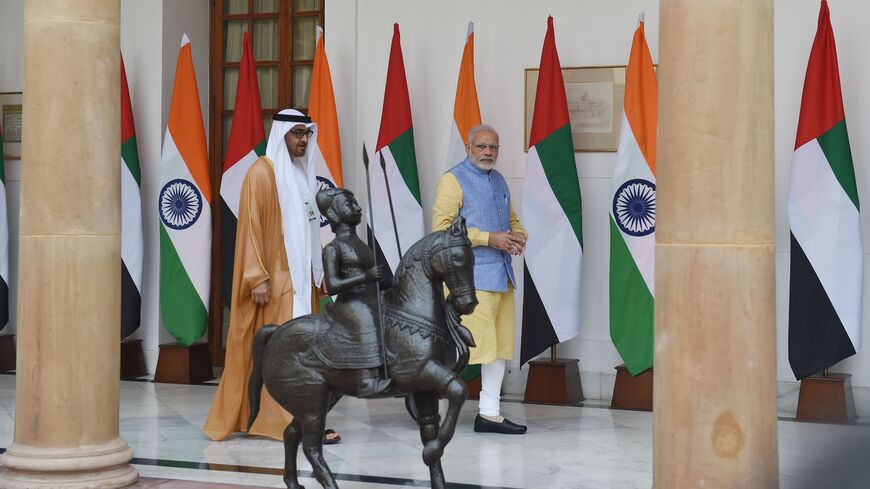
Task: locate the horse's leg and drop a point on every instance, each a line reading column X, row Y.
column 292, row 437
column 437, row 378
column 427, row 417
column 313, row 424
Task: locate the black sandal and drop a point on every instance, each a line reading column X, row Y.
column 327, row 440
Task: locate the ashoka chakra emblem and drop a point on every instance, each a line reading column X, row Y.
column 180, row 204
column 634, row 207
column 323, row 183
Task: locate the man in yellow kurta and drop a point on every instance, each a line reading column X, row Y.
column 476, row 191
column 277, row 247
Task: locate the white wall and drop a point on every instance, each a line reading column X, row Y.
column 509, row 35
column 508, row 38
column 794, row 27
column 150, row 37
column 12, row 80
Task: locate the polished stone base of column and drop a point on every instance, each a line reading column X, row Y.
column 104, row 466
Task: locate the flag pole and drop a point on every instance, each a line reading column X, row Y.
column 390, row 199
column 375, row 253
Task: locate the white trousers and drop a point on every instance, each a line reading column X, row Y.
column 491, row 376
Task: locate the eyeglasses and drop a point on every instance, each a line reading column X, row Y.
column 482, row 147
column 302, row 133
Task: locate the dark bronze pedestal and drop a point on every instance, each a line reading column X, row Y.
column 633, row 393
column 179, row 364
column 7, row 352
column 132, row 360
column 827, row 399
column 554, row 382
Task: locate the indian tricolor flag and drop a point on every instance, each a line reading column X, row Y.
column 396, row 146
column 131, row 217
column 633, row 214
column 552, row 214
column 247, row 142
column 826, row 248
column 4, row 243
column 184, row 205
column 466, row 111
column 327, row 147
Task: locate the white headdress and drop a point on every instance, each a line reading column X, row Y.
column 297, row 186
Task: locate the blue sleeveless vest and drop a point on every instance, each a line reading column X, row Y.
column 486, row 206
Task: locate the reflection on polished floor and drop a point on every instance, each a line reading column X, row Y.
column 580, row 447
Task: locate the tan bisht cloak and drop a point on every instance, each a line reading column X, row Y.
column 260, row 256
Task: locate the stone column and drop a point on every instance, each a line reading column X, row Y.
column 66, row 411
column 715, row 332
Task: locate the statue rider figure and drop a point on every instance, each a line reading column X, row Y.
column 349, row 272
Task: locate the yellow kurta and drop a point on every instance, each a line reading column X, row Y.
column 492, row 323
column 260, row 256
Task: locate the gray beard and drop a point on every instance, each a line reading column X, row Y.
column 481, row 165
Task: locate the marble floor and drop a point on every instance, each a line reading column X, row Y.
column 581, row 447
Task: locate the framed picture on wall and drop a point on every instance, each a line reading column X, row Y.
column 10, row 119
column 595, row 96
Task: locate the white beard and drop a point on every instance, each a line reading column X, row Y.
column 482, row 165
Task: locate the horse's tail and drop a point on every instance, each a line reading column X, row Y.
column 255, row 383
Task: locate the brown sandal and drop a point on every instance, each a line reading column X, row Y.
column 330, row 437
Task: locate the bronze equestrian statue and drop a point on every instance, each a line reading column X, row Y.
column 307, row 363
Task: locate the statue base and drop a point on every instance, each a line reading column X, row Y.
column 132, row 360
column 555, row 383
column 632, row 392
column 7, row 352
column 178, row 364
column 826, row 399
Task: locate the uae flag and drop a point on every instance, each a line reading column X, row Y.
column 184, row 206
column 396, row 147
column 826, row 248
column 551, row 212
column 466, row 111
column 131, row 217
column 4, row 243
column 247, row 142
column 327, row 146
column 633, row 214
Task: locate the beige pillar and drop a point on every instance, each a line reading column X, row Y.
column 715, row 348
column 66, row 411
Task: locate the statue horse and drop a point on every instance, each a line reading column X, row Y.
column 426, row 349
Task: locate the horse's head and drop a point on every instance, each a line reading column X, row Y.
column 455, row 264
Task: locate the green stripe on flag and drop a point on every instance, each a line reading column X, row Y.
column 631, row 307
column 130, row 155
column 556, row 152
column 184, row 314
column 835, row 145
column 260, row 149
column 403, row 152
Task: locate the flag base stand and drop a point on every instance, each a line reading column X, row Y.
column 556, row 382
column 473, row 388
column 826, row 399
column 7, row 352
column 632, row 392
column 132, row 360
column 471, row 377
column 178, row 364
